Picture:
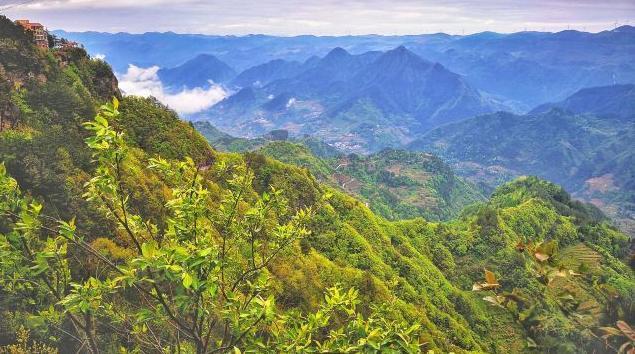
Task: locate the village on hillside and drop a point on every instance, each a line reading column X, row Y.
column 43, row 38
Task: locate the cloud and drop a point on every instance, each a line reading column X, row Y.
column 286, row 17
column 100, row 56
column 145, row 82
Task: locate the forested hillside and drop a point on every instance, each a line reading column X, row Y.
column 588, row 148
column 395, row 184
column 122, row 230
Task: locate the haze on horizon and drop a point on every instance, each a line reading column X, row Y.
column 323, row 17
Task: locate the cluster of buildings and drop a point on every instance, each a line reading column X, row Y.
column 41, row 35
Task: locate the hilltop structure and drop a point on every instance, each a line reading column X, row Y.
column 40, row 34
column 63, row 43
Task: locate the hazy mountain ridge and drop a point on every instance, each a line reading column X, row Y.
column 584, row 143
column 358, row 102
column 617, row 100
column 263, row 74
column 538, row 67
column 528, row 68
column 197, row 72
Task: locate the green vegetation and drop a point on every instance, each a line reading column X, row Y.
column 204, row 273
column 395, row 184
column 157, row 130
column 225, row 142
column 148, row 240
column 591, row 155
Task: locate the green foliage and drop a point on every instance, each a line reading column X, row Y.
column 395, row 184
column 591, row 154
column 205, row 274
column 153, row 127
column 25, row 345
column 374, row 334
column 550, row 265
column 298, row 155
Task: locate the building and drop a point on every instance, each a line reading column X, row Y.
column 63, row 43
column 40, row 35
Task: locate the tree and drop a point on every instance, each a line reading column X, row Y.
column 198, row 284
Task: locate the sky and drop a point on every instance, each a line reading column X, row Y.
column 323, row 17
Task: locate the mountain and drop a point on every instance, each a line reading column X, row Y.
column 357, row 103
column 587, row 147
column 263, row 74
column 321, row 75
column 197, row 72
column 618, row 100
column 533, row 68
column 241, row 52
column 395, row 184
column 103, row 216
column 522, row 69
column 401, row 83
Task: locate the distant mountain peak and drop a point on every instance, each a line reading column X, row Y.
column 197, row 72
column 204, row 56
column 401, row 50
column 616, row 100
column 625, row 29
column 403, row 56
column 336, row 54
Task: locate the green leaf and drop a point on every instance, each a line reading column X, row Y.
column 187, row 280
column 148, row 249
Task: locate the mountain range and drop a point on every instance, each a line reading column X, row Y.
column 357, row 102
column 523, row 69
column 584, row 142
column 387, row 97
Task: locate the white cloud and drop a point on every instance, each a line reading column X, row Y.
column 145, row 82
column 100, row 56
column 286, row 17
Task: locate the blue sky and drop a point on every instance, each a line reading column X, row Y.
column 323, row 17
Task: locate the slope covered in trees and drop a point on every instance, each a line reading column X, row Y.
column 124, row 231
column 395, row 184
column 587, row 148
